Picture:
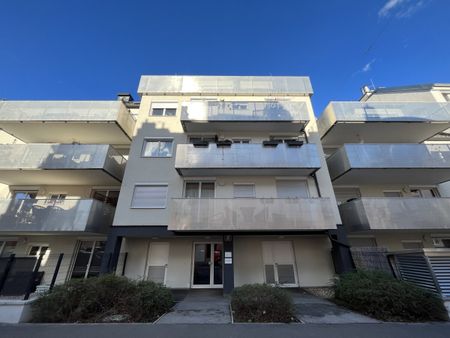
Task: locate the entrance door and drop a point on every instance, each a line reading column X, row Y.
column 88, row 259
column 207, row 265
column 279, row 263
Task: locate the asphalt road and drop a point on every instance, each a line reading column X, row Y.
column 384, row 330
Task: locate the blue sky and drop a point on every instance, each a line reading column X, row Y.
column 88, row 49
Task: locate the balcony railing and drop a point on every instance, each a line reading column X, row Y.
column 15, row 117
column 46, row 215
column 426, row 163
column 254, row 159
column 337, row 123
column 251, row 214
column 235, row 85
column 396, row 213
column 62, row 157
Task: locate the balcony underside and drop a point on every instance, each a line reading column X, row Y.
column 58, row 177
column 425, row 176
column 105, row 132
column 255, row 171
column 382, row 132
column 396, row 213
column 238, row 125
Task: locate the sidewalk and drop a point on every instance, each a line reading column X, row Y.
column 385, row 330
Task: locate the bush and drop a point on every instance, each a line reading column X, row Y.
column 383, row 297
column 262, row 303
column 102, row 299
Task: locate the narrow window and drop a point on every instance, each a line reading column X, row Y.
column 149, row 196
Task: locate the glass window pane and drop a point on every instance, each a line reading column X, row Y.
column 8, row 248
column 171, row 111
column 207, row 190
column 82, row 260
column 34, row 250
column 165, row 148
column 191, row 190
column 94, row 268
column 151, row 148
column 157, row 111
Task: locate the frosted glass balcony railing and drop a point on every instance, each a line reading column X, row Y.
column 254, row 159
column 216, row 111
column 432, row 160
column 109, row 121
column 235, row 85
column 345, row 122
column 251, row 214
column 396, row 213
column 62, row 157
column 35, row 215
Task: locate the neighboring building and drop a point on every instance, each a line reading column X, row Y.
column 389, row 159
column 61, row 166
column 226, row 184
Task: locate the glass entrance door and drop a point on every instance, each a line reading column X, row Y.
column 207, row 265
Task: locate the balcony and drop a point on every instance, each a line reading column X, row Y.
column 251, row 214
column 217, row 116
column 246, row 159
column 390, row 164
column 55, row 216
column 396, row 213
column 106, row 122
column 386, row 122
column 60, row 164
column 232, row 85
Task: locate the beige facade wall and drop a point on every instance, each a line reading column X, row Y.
column 312, row 256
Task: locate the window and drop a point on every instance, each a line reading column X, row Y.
column 107, row 196
column 157, row 148
column 37, row 250
column 199, row 190
column 24, row 195
column 7, row 248
column 412, row 245
column 196, row 139
column 241, row 140
column 150, row 196
column 424, row 192
column 447, row 96
column 164, row 109
column 392, row 193
column 244, row 190
column 292, row 188
column 88, row 259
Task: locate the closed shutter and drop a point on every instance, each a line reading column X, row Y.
column 244, row 190
column 150, row 196
column 292, row 189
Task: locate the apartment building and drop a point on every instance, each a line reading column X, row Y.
column 389, row 160
column 61, row 167
column 226, row 184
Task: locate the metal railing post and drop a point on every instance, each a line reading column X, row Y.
column 55, row 273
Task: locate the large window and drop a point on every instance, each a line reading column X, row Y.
column 106, row 196
column 164, row 109
column 199, row 190
column 7, row 248
column 150, row 196
column 157, row 148
column 88, row 259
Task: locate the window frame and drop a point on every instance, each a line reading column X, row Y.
column 200, row 183
column 159, row 140
column 164, row 106
column 247, row 184
column 150, row 185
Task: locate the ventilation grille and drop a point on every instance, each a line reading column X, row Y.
column 441, row 269
column 414, row 269
column 156, row 273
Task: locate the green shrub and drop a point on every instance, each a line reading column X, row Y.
column 262, row 303
column 383, row 297
column 102, row 299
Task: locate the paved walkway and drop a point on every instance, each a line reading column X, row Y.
column 316, row 310
column 385, row 330
column 199, row 307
